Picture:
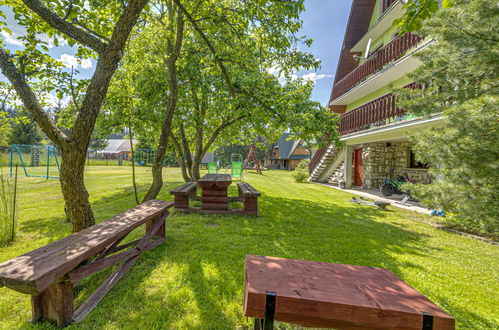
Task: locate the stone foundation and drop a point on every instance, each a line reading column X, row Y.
column 380, row 158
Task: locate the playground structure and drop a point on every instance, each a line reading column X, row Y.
column 36, row 160
column 251, row 162
column 144, row 157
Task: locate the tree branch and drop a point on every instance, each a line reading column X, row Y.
column 65, row 27
column 106, row 66
column 219, row 129
column 29, row 99
column 208, row 43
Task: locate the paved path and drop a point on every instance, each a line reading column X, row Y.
column 377, row 196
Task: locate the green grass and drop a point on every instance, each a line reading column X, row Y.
column 195, row 279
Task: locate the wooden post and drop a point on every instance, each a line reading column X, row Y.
column 55, row 303
column 348, row 167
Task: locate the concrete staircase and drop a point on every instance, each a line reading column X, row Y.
column 332, row 158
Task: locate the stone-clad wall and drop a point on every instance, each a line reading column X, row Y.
column 381, row 157
column 378, row 159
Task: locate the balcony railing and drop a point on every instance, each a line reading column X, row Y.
column 375, row 113
column 376, row 62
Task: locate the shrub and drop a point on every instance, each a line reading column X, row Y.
column 301, row 171
column 303, row 165
column 300, row 176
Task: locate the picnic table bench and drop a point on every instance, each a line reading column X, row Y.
column 183, row 193
column 250, row 197
column 49, row 273
column 328, row 295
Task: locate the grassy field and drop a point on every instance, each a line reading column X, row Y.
column 195, row 279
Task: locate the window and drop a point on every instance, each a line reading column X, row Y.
column 414, row 163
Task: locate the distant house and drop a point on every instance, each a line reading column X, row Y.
column 286, row 153
column 208, row 157
column 115, row 149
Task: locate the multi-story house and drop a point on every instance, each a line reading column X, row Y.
column 374, row 60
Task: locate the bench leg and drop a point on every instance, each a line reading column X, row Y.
column 161, row 233
column 181, row 202
column 251, row 205
column 55, row 303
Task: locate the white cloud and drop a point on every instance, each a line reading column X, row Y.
column 68, row 60
column 313, row 76
column 86, row 63
column 11, row 39
column 71, row 61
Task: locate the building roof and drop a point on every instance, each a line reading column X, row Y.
column 115, row 146
column 357, row 26
column 208, row 157
column 287, row 147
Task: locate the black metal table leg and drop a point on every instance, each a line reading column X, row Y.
column 268, row 321
column 258, row 324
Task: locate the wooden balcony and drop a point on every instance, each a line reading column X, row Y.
column 394, row 50
column 377, row 113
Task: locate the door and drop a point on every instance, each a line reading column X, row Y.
column 357, row 167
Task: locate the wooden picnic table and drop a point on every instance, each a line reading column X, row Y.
column 328, row 295
column 214, row 194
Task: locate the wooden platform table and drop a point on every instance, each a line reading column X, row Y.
column 214, row 191
column 327, row 295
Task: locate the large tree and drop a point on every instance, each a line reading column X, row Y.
column 459, row 76
column 207, row 77
column 100, row 30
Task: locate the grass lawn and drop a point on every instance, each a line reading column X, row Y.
column 195, row 279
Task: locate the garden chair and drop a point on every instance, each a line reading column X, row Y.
column 212, row 167
column 237, row 170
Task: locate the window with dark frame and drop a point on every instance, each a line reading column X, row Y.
column 414, row 163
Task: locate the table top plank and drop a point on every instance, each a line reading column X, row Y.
column 319, row 294
column 212, row 180
column 36, row 270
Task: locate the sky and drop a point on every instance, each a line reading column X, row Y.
column 324, row 21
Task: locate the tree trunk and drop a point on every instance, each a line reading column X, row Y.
column 173, row 54
column 77, row 205
column 195, row 169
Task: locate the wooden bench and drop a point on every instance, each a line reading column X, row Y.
column 49, row 273
column 250, row 197
column 183, row 193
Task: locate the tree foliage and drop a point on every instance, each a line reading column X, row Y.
column 459, row 72
column 223, row 90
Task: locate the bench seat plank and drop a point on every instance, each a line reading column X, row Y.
column 184, row 189
column 34, row 271
column 247, row 190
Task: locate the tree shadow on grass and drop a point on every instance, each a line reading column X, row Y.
column 195, row 279
column 201, row 267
